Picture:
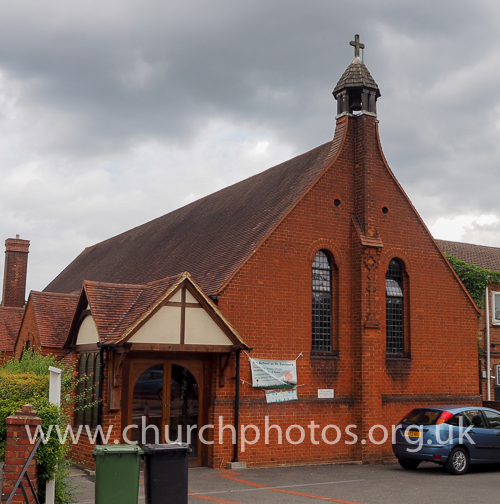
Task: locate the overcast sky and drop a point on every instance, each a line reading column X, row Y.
column 116, row 112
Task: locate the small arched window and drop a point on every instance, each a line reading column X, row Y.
column 394, row 305
column 321, row 303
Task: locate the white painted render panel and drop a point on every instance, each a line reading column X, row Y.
column 87, row 334
column 176, row 297
column 202, row 330
column 163, row 327
column 190, row 298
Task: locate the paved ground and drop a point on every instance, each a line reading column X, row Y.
column 348, row 484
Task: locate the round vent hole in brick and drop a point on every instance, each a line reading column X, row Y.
column 385, row 210
column 337, row 202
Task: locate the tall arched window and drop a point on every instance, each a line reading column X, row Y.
column 321, row 303
column 87, row 391
column 394, row 304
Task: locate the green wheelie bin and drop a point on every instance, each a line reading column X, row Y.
column 117, row 470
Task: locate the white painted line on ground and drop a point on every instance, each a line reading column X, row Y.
column 278, row 487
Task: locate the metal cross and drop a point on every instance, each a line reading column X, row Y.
column 357, row 45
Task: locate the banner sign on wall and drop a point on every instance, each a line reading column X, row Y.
column 281, row 396
column 273, row 374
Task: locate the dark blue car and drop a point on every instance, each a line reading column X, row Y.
column 453, row 436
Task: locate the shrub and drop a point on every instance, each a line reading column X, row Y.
column 27, row 381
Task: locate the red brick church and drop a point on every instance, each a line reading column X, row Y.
column 322, row 259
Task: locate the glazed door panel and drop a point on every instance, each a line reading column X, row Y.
column 165, row 403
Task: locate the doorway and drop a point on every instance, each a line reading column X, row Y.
column 166, row 403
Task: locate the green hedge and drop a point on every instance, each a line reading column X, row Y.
column 26, row 381
column 16, row 390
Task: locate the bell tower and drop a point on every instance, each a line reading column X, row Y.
column 356, row 92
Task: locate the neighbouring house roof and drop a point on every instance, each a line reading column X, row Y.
column 477, row 255
column 53, row 314
column 10, row 322
column 117, row 309
column 211, row 238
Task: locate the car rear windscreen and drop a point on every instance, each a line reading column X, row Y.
column 422, row 416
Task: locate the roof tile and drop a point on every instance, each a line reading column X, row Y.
column 54, row 314
column 10, row 322
column 211, row 238
column 477, row 255
column 116, row 306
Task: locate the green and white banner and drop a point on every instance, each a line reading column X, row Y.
column 273, row 374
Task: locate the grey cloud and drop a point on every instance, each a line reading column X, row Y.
column 95, row 80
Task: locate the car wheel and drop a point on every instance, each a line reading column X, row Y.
column 409, row 464
column 160, row 394
column 458, row 461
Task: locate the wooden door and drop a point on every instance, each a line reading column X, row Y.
column 166, row 403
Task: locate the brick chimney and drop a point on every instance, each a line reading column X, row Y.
column 16, row 269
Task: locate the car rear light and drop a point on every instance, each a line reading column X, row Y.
column 445, row 415
column 437, row 457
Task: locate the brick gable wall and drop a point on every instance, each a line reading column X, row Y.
column 28, row 331
column 269, row 303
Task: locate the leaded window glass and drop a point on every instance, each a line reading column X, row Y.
column 86, row 411
column 321, row 303
column 394, row 308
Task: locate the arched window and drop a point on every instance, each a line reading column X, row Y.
column 394, row 306
column 321, row 303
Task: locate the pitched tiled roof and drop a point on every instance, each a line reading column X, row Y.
column 211, row 238
column 53, row 314
column 477, row 255
column 116, row 306
column 10, row 322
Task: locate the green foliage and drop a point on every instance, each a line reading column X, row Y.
column 16, row 390
column 35, row 364
column 26, row 381
column 474, row 278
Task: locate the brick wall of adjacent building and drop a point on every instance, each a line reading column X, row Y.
column 494, row 348
column 28, row 331
column 4, row 356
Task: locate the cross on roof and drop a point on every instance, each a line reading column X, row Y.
column 357, row 45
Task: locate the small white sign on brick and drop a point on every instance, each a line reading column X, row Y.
column 325, row 393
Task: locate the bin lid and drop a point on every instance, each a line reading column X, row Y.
column 156, row 448
column 118, row 449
